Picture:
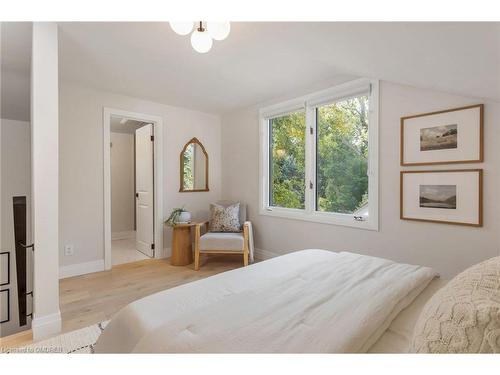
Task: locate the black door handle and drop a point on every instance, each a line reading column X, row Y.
column 27, row 246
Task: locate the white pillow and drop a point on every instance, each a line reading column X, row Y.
column 464, row 316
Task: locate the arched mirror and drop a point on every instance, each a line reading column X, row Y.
column 194, row 167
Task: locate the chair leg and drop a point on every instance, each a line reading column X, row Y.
column 197, row 235
column 245, row 245
column 196, row 259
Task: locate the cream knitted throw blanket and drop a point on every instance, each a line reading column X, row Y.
column 464, row 316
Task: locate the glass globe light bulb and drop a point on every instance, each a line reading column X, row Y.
column 182, row 28
column 218, row 30
column 201, row 41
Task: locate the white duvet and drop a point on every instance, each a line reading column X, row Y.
column 308, row 301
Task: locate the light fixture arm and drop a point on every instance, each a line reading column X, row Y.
column 201, row 28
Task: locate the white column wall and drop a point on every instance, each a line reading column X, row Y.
column 45, row 178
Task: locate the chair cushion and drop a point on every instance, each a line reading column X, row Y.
column 464, row 316
column 225, row 218
column 222, row 241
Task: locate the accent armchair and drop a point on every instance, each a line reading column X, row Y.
column 224, row 242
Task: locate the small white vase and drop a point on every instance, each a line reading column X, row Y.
column 185, row 217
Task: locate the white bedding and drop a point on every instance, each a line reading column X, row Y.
column 397, row 338
column 308, row 301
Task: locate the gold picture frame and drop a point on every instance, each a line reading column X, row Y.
column 479, row 132
column 479, row 199
column 182, row 189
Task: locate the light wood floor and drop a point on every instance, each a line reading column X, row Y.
column 92, row 298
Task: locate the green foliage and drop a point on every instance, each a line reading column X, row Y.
column 187, row 161
column 288, row 160
column 342, row 157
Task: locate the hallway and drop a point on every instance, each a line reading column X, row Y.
column 124, row 251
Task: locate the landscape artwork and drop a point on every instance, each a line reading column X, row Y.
column 438, row 196
column 438, row 138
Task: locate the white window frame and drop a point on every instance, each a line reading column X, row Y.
column 309, row 103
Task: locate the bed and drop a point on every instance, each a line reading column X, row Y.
column 312, row 301
column 397, row 337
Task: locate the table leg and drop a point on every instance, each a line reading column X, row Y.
column 182, row 251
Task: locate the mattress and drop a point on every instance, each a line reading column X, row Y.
column 312, row 301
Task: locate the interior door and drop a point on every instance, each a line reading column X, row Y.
column 144, row 201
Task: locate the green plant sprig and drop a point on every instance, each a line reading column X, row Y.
column 174, row 216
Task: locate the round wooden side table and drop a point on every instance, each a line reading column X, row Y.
column 182, row 249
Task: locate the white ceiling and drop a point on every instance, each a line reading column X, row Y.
column 262, row 61
column 129, row 127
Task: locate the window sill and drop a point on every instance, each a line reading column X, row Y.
column 320, row 217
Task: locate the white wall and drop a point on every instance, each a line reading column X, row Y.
column 447, row 248
column 15, row 181
column 122, row 182
column 45, row 178
column 15, row 103
column 81, row 164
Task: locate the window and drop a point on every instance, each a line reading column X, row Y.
column 319, row 156
column 342, row 156
column 287, row 139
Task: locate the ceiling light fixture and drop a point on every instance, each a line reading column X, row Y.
column 201, row 38
column 182, row 28
column 218, row 30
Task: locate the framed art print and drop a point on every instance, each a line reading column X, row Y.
column 4, row 305
column 5, row 268
column 450, row 197
column 444, row 137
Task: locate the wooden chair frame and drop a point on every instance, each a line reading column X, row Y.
column 197, row 251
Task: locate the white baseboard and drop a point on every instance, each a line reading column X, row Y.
column 45, row 326
column 123, row 235
column 261, row 254
column 81, row 268
column 166, row 252
column 96, row 266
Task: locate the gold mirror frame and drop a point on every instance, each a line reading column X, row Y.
column 181, row 166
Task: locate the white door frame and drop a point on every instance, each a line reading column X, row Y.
column 158, row 178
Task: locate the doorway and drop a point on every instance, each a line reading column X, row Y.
column 132, row 164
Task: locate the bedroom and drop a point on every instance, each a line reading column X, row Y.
column 374, row 142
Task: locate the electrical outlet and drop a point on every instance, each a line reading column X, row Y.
column 69, row 250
